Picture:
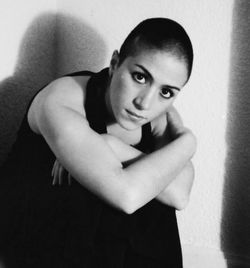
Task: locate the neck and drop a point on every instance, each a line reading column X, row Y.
column 110, row 119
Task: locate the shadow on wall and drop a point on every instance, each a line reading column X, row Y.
column 79, row 47
column 235, row 225
column 52, row 45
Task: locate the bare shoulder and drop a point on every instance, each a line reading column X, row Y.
column 66, row 91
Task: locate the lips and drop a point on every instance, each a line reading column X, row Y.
column 135, row 115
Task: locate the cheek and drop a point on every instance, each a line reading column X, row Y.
column 119, row 98
column 124, row 91
column 115, row 91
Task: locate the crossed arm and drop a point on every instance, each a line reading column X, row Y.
column 57, row 114
column 177, row 193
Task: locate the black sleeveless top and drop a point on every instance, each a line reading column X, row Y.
column 68, row 226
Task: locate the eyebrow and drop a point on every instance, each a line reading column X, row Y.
column 150, row 75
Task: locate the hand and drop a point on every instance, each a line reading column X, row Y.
column 58, row 173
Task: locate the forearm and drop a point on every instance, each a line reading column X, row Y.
column 124, row 152
column 177, row 190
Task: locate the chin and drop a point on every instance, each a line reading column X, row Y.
column 129, row 125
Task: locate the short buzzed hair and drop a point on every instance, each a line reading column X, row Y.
column 161, row 34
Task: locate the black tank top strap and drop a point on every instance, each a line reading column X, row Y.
column 95, row 106
column 80, row 73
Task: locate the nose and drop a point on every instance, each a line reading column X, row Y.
column 145, row 99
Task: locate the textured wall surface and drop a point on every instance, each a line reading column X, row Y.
column 235, row 224
column 27, row 30
column 39, row 46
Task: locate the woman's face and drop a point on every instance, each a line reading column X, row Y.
column 144, row 86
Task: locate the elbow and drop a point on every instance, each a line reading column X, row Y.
column 129, row 205
column 181, row 200
column 177, row 200
column 130, row 202
column 128, row 210
column 181, row 203
column 191, row 142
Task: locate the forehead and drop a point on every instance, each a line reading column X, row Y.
column 164, row 66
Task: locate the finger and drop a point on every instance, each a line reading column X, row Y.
column 60, row 175
column 57, row 173
column 54, row 181
column 69, row 179
column 54, row 172
column 53, row 168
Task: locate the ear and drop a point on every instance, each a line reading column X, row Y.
column 114, row 62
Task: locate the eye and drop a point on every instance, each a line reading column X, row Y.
column 139, row 77
column 166, row 93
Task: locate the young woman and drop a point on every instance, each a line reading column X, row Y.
column 118, row 135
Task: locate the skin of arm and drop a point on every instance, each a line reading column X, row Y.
column 177, row 193
column 57, row 113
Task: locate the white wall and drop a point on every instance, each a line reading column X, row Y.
column 203, row 103
column 15, row 19
column 27, row 30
